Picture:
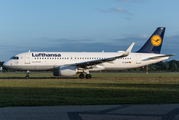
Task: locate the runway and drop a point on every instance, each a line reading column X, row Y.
column 93, row 112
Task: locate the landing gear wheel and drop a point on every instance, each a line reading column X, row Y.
column 27, row 75
column 81, row 76
column 88, row 76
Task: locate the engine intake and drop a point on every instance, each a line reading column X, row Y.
column 65, row 71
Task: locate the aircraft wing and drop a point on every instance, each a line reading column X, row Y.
column 95, row 62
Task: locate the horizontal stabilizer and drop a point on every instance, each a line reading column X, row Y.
column 157, row 57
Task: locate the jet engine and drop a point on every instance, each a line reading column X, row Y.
column 65, row 71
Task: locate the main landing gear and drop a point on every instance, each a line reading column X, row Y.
column 88, row 76
column 82, row 76
column 27, row 75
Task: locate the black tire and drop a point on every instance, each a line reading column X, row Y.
column 88, row 76
column 81, row 76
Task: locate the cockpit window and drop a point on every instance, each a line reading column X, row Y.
column 14, row 58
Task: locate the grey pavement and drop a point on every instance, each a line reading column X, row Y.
column 93, row 112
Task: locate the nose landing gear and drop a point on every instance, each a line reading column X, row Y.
column 27, row 75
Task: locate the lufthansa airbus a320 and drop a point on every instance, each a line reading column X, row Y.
column 72, row 63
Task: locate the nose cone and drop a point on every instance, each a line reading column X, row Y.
column 6, row 64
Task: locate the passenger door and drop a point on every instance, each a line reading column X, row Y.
column 138, row 59
column 27, row 58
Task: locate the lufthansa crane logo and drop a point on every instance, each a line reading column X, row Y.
column 156, row 40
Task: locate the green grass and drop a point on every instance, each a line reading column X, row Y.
column 94, row 75
column 109, row 88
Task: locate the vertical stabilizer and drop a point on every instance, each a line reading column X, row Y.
column 154, row 43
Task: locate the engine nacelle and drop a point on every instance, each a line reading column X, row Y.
column 65, row 71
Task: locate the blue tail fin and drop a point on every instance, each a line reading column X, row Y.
column 154, row 43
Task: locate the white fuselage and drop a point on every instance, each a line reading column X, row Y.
column 51, row 60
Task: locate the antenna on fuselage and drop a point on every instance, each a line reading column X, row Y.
column 29, row 51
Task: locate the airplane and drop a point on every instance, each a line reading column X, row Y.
column 72, row 63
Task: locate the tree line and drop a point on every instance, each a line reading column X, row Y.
column 167, row 66
column 170, row 66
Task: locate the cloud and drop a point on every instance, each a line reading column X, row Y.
column 171, row 42
column 101, row 10
column 170, row 45
column 135, row 36
column 64, row 40
column 136, row 1
column 122, row 10
column 130, row 38
column 85, row 45
column 173, row 38
column 128, row 18
column 118, row 9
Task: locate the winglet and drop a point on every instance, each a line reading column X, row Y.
column 128, row 51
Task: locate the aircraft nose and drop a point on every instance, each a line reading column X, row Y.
column 6, row 64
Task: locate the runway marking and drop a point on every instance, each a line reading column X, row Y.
column 79, row 115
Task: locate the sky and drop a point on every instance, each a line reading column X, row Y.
column 85, row 25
